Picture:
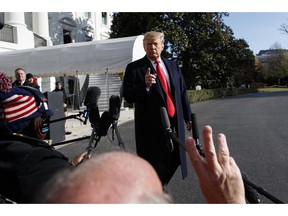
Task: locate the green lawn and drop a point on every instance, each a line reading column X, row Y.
column 272, row 89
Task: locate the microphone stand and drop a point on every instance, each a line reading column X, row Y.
column 71, row 140
column 115, row 129
column 171, row 135
column 94, row 137
column 76, row 116
column 262, row 191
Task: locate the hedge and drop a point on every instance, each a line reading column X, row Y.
column 208, row 94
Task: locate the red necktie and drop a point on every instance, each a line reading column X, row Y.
column 170, row 105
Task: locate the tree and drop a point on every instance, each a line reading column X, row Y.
column 284, row 28
column 259, row 72
column 214, row 58
column 275, row 64
column 132, row 24
column 241, row 62
column 278, row 65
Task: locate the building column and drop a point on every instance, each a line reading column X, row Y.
column 97, row 26
column 16, row 19
column 41, row 26
column 22, row 36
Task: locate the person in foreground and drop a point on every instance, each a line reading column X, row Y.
column 121, row 177
column 111, row 177
column 219, row 178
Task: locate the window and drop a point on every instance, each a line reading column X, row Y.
column 2, row 17
column 87, row 15
column 67, row 36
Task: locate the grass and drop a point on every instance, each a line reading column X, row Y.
column 272, row 89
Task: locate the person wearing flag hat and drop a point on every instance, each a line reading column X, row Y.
column 20, row 110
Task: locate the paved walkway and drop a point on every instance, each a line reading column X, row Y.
column 78, row 129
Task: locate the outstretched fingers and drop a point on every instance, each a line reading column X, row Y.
column 209, row 149
column 219, row 177
column 214, row 164
column 195, row 158
column 223, row 151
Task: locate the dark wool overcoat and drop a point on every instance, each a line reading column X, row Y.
column 151, row 142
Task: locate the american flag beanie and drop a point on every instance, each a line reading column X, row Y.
column 17, row 107
column 14, row 105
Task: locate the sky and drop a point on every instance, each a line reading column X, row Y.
column 259, row 29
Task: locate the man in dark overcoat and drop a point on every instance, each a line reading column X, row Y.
column 142, row 86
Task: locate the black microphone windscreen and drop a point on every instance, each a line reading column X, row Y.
column 195, row 131
column 165, row 118
column 104, row 124
column 114, row 107
column 92, row 96
column 94, row 115
column 91, row 101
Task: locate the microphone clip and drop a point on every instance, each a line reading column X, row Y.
column 169, row 139
column 199, row 147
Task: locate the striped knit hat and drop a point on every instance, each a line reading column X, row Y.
column 5, row 83
column 17, row 107
column 19, row 111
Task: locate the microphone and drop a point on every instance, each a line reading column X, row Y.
column 104, row 124
column 167, row 127
column 91, row 102
column 250, row 193
column 195, row 134
column 114, row 113
column 110, row 116
column 114, row 107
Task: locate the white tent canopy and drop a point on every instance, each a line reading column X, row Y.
column 110, row 55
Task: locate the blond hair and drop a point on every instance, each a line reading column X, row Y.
column 153, row 34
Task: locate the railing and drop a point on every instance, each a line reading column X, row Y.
column 39, row 41
column 6, row 34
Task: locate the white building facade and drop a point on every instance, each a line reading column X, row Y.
column 26, row 30
column 23, row 30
